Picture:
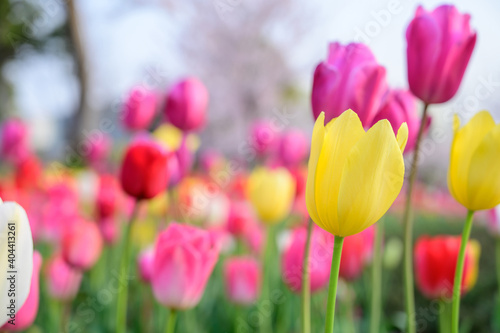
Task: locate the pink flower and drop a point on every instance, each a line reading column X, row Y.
column 14, row 141
column 264, row 137
column 183, row 262
column 186, row 104
column 242, row 278
column 145, row 264
column 97, row 148
column 82, row 245
column 356, row 253
column 140, row 108
column 240, row 218
column 108, row 195
column 109, row 228
column 63, row 281
column 440, row 44
column 494, row 221
column 399, row 107
column 293, row 147
column 26, row 315
column 320, row 258
column 350, row 78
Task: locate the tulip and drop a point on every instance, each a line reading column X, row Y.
column 144, row 172
column 97, row 149
column 183, row 262
column 15, row 228
column 242, row 277
column 400, row 107
column 349, row 78
column 82, row 245
column 263, row 137
column 140, row 108
column 186, row 104
column 63, row 281
column 27, row 312
column 356, row 253
column 293, row 147
column 109, row 228
column 240, row 218
column 14, row 141
column 271, row 192
column 440, row 44
column 473, row 175
column 346, row 167
column 107, row 196
column 145, row 264
column 494, row 221
column 28, row 172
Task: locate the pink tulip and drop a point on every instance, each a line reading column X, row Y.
column 82, row 245
column 97, row 149
column 186, row 104
column 184, row 158
column 293, row 148
column 108, row 195
column 183, row 262
column 264, row 137
column 63, row 281
column 145, row 264
column 440, row 44
column 14, row 141
column 109, row 229
column 399, row 107
column 26, row 315
column 494, row 221
column 320, row 259
column 140, row 108
column 242, row 279
column 240, row 218
column 356, row 253
column 254, row 238
column 350, row 78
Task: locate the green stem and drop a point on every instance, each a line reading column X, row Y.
column 266, row 287
column 349, row 322
column 121, row 308
column 170, row 327
column 306, row 283
column 408, row 226
column 498, row 262
column 334, row 279
column 444, row 316
column 459, row 272
column 376, row 285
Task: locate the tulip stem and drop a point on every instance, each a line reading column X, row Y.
column 306, row 283
column 408, row 226
column 376, row 301
column 121, row 308
column 455, row 311
column 334, row 279
column 267, row 322
column 498, row 264
column 172, row 318
column 444, row 316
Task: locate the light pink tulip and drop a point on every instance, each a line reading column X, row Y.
column 183, row 262
column 109, row 228
column 350, row 78
column 440, row 44
column 14, row 141
column 242, row 277
column 293, row 148
column 264, row 137
column 186, row 104
column 356, row 253
column 63, row 281
column 139, row 109
column 82, row 245
column 145, row 264
column 26, row 315
column 494, row 221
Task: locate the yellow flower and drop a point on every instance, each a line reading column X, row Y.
column 353, row 176
column 271, row 192
column 474, row 172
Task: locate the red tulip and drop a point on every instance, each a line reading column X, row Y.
column 144, row 171
column 186, row 104
column 350, row 78
column 242, row 279
column 435, row 263
column 26, row 315
column 28, row 172
column 82, row 245
column 140, row 108
column 63, row 281
column 108, row 195
column 440, row 44
column 183, row 262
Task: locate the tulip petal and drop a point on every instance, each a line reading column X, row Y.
column 483, row 191
column 340, row 138
column 402, row 136
column 465, row 142
column 372, row 179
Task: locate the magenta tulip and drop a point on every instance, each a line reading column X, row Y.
column 145, row 264
column 440, row 44
column 14, row 141
column 139, row 109
column 186, row 104
column 183, row 262
column 63, row 281
column 264, row 137
column 293, row 147
column 242, row 277
column 350, row 78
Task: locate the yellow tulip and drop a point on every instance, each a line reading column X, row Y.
column 271, row 192
column 474, row 171
column 353, row 176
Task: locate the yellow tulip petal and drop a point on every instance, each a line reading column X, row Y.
column 402, row 136
column 483, row 179
column 318, row 136
column 372, row 179
column 340, row 138
column 465, row 142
